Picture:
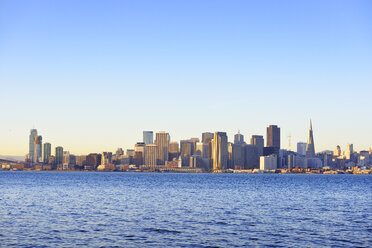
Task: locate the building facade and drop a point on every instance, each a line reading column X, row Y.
column 220, row 151
column 148, row 137
column 47, row 152
column 273, row 136
column 162, row 142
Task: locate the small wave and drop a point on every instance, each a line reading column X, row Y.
column 160, row 230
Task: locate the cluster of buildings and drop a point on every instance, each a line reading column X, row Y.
column 213, row 153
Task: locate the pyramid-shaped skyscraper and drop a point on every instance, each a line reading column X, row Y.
column 310, row 150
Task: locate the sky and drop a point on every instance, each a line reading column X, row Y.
column 92, row 75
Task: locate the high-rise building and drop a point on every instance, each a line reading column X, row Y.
column 301, row 148
column 207, row 137
column 273, row 136
column 259, row 142
column 38, row 149
column 148, row 137
column 349, row 151
column 219, row 151
column 238, row 151
column 32, row 137
column 310, row 150
column 186, row 151
column 238, row 138
column 252, row 159
column 194, row 141
column 162, row 142
column 151, row 155
column 173, row 150
column 59, row 155
column 202, row 149
column 47, row 152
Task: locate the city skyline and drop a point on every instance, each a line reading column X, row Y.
column 286, row 142
column 213, row 153
column 95, row 79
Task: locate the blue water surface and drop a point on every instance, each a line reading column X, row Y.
column 88, row 209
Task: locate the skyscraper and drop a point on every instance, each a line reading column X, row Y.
column 162, row 142
column 349, row 151
column 173, row 151
column 259, row 142
column 219, row 151
column 301, row 148
column 207, row 137
column 46, row 152
column 148, row 137
column 38, row 149
column 151, row 151
column 33, row 135
column 238, row 138
column 59, row 155
column 186, row 151
column 310, row 150
column 273, row 136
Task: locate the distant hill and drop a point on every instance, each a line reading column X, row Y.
column 12, row 158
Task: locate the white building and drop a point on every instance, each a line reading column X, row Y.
column 268, row 162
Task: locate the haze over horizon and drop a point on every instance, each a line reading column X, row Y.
column 92, row 75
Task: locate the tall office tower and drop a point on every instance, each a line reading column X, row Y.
column 310, row 150
column 38, row 149
column 230, row 159
column 259, row 142
column 252, row 159
column 148, row 137
column 273, row 136
column 301, row 148
column 162, row 142
column 32, row 137
column 47, row 152
column 186, row 151
column 219, row 151
column 194, row 141
column 238, row 138
column 238, row 156
column 207, row 137
column 349, row 151
column 59, row 155
column 151, row 155
column 173, row 150
column 202, row 149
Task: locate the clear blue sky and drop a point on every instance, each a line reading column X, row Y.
column 92, row 75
